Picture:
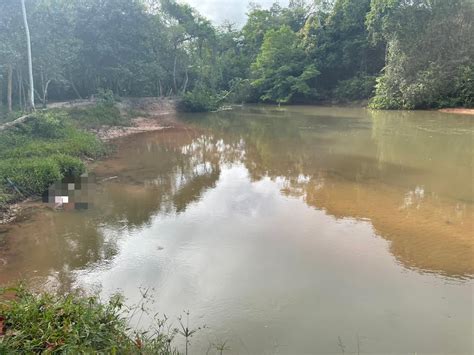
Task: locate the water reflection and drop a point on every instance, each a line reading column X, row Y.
column 261, row 214
column 409, row 173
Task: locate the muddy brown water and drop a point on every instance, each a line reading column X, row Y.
column 284, row 230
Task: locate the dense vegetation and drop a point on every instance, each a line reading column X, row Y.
column 73, row 324
column 403, row 53
column 47, row 147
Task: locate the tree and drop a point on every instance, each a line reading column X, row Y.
column 429, row 56
column 31, row 91
column 10, row 44
column 281, row 71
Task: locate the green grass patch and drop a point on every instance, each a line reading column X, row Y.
column 41, row 151
column 4, row 197
column 73, row 324
column 102, row 114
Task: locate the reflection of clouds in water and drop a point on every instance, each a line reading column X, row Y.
column 246, row 260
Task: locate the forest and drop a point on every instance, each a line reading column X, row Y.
column 397, row 54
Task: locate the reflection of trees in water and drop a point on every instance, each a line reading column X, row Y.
column 310, row 159
column 350, row 172
column 439, row 145
column 53, row 245
column 432, row 234
column 165, row 174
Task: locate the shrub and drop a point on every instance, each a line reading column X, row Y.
column 360, row 87
column 45, row 323
column 4, row 197
column 73, row 324
column 106, row 97
column 240, row 90
column 31, row 176
column 385, row 98
column 98, row 115
column 465, row 86
column 68, row 165
column 48, row 125
column 200, row 99
column 42, row 151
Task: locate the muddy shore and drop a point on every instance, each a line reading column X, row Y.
column 148, row 114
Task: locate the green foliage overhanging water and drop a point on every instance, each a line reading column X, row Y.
column 403, row 54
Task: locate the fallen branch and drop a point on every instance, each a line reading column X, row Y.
column 15, row 122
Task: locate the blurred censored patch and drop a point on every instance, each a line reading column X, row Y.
column 72, row 193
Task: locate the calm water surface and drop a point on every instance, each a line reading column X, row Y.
column 282, row 230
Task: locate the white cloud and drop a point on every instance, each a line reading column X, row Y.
column 234, row 11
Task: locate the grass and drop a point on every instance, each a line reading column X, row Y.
column 50, row 145
column 44, row 149
column 74, row 324
column 99, row 115
column 6, row 116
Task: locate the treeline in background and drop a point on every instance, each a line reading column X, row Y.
column 400, row 54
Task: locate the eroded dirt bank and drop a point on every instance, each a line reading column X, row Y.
column 148, row 114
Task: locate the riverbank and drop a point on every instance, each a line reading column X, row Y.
column 46, row 146
column 147, row 114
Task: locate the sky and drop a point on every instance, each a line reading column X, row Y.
column 233, row 10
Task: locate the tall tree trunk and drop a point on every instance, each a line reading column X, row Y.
column 23, row 92
column 10, row 87
column 44, row 88
column 20, row 88
column 75, row 89
column 185, row 86
column 174, row 75
column 31, row 92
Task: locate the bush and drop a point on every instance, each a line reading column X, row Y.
column 37, row 324
column 360, row 87
column 31, row 176
column 4, row 197
column 72, row 324
column 48, row 125
column 6, row 116
column 385, row 98
column 240, row 90
column 200, row 99
column 42, row 151
column 465, row 86
column 68, row 165
column 106, row 97
column 99, row 115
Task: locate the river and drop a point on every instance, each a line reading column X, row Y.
column 290, row 230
